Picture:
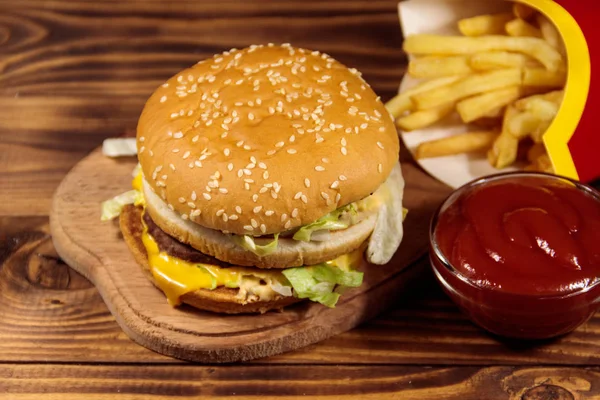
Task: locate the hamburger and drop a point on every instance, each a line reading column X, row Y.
column 267, row 176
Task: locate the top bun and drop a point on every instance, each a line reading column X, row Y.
column 264, row 139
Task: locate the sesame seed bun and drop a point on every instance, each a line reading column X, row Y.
column 265, row 139
column 221, row 299
column 289, row 252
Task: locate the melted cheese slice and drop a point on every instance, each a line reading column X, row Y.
column 176, row 277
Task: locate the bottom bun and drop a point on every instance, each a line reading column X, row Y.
column 220, row 300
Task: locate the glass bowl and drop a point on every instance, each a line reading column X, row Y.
column 500, row 310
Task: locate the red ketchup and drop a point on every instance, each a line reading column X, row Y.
column 520, row 253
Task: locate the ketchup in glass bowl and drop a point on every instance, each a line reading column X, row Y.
column 520, row 253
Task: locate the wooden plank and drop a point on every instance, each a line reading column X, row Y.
column 64, row 382
column 48, row 312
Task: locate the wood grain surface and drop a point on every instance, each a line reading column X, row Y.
column 73, row 72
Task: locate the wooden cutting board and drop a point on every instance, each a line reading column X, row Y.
column 96, row 250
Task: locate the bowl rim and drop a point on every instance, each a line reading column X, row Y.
column 436, row 252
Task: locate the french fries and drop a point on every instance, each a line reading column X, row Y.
column 501, row 59
column 471, row 85
column 422, row 119
column 457, row 144
column 521, row 28
column 550, row 33
column 457, row 45
column 480, row 106
column 435, row 67
column 504, row 78
column 506, row 147
column 544, row 78
column 522, row 11
column 403, row 103
column 492, row 24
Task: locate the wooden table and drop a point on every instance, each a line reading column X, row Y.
column 75, row 72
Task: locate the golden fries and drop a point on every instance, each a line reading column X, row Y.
column 462, row 143
column 522, row 11
column 480, row 106
column 505, row 148
column 492, row 24
column 501, row 59
column 468, row 86
column 520, row 28
column 544, row 78
column 457, row 45
column 424, row 118
column 504, row 77
column 435, row 67
column 550, row 33
column 402, row 102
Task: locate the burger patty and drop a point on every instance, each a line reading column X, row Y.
column 175, row 248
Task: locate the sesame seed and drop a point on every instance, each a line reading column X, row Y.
column 195, row 213
column 380, row 145
column 163, row 99
column 248, row 228
column 246, row 186
column 226, row 152
column 342, row 177
column 250, row 116
column 254, row 223
column 297, row 195
column 233, row 217
column 343, row 141
column 198, row 164
column 257, row 209
column 379, row 168
column 263, row 190
column 175, row 150
column 325, row 160
column 225, row 217
column 279, row 144
column 344, row 151
column 255, row 198
column 195, row 139
column 220, row 212
column 206, row 196
column 247, row 171
column 186, row 155
column 294, row 213
column 266, row 175
column 319, row 168
column 181, row 200
column 230, row 166
column 304, row 199
column 273, row 194
column 307, row 182
column 291, row 151
column 262, row 165
column 324, row 195
column 193, row 196
column 184, row 217
column 288, row 224
column 246, row 147
column 335, row 185
column 268, row 213
column 191, row 204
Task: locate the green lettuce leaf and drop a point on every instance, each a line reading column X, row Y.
column 329, row 222
column 318, row 283
column 247, row 242
column 112, row 208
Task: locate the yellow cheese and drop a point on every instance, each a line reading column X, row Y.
column 176, row 277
